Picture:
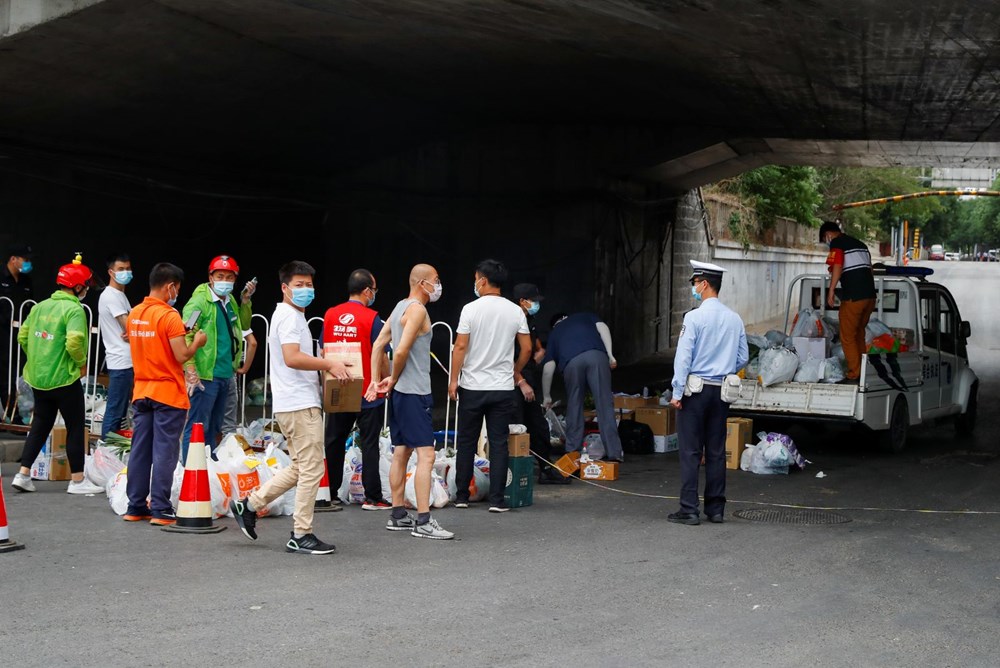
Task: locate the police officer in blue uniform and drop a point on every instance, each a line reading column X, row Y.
column 712, row 344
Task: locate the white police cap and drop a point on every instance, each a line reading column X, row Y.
column 705, row 270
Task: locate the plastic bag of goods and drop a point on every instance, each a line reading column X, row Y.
column 102, row 466
column 439, row 490
column 831, row 328
column 810, row 370
column 808, row 323
column 874, row 329
column 277, row 459
column 479, row 486
column 757, row 340
column 117, row 495
column 777, row 365
column 769, row 457
column 833, row 370
column 777, row 339
column 351, row 489
column 884, row 343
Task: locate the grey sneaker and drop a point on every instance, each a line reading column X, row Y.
column 22, row 483
column 308, row 544
column 461, row 504
column 403, row 524
column 431, row 530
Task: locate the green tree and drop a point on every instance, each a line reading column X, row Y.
column 775, row 191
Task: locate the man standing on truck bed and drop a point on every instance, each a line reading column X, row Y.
column 850, row 264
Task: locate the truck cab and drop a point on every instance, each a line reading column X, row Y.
column 929, row 379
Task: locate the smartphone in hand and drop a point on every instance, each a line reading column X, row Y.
column 192, row 320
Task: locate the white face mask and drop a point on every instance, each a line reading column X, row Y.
column 434, row 294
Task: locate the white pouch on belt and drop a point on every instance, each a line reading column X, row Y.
column 694, row 385
column 731, row 385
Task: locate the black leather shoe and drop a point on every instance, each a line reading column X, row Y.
column 690, row 519
column 552, row 477
column 716, row 519
column 847, row 381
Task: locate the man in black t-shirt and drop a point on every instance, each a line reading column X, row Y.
column 850, row 264
column 15, row 285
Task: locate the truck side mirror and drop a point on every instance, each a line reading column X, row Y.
column 964, row 330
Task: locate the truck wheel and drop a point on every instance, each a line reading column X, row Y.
column 893, row 439
column 966, row 422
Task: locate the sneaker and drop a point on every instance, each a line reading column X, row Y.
column 381, row 504
column 22, row 483
column 129, row 517
column 499, row 509
column 461, row 504
column 84, row 487
column 402, row 524
column 308, row 544
column 245, row 518
column 163, row 520
column 431, row 530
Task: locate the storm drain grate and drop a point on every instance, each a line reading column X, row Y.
column 791, row 516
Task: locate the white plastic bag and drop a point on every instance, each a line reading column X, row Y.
column 479, row 486
column 747, row 457
column 777, row 365
column 439, row 490
column 351, row 489
column 102, row 466
column 875, row 329
column 833, row 370
column 810, row 370
column 807, row 323
column 117, row 495
column 594, row 446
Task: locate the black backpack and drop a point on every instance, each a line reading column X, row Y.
column 636, row 437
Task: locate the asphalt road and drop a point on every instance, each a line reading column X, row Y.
column 585, row 577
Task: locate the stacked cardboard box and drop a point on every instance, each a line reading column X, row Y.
column 519, row 445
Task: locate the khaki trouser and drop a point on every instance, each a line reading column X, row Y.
column 853, row 320
column 303, row 430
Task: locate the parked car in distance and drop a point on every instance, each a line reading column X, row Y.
column 952, row 256
column 937, row 252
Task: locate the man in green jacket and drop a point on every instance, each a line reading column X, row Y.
column 55, row 339
column 224, row 320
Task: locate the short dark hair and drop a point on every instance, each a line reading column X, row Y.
column 116, row 257
column 359, row 280
column 555, row 319
column 829, row 226
column 493, row 271
column 295, row 268
column 714, row 282
column 163, row 273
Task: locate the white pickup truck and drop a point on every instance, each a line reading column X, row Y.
column 929, row 382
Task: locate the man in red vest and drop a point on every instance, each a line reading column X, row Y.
column 356, row 321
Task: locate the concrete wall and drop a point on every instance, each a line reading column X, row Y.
column 757, row 278
column 20, row 15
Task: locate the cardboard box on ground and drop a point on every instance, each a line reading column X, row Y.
column 661, row 419
column 739, row 432
column 599, row 470
column 632, row 402
column 346, row 397
column 52, row 463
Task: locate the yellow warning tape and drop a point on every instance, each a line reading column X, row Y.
column 928, row 511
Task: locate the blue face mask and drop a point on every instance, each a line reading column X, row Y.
column 534, row 308
column 26, row 267
column 303, row 297
column 123, row 277
column 223, row 288
column 695, row 293
column 172, row 300
column 371, row 301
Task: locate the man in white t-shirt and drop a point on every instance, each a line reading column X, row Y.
column 483, row 376
column 298, row 410
column 113, row 309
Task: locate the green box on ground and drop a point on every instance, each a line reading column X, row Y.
column 520, row 482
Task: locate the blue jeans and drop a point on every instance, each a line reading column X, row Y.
column 119, row 397
column 151, row 463
column 208, row 407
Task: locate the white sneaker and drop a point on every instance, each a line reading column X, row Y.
column 22, row 483
column 84, row 487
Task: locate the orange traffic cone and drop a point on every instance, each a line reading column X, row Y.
column 194, row 508
column 324, row 500
column 6, row 544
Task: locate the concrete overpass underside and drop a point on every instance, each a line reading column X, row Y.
column 554, row 133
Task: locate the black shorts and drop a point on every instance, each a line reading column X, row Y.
column 410, row 422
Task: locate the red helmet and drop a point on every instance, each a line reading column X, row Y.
column 74, row 274
column 224, row 263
